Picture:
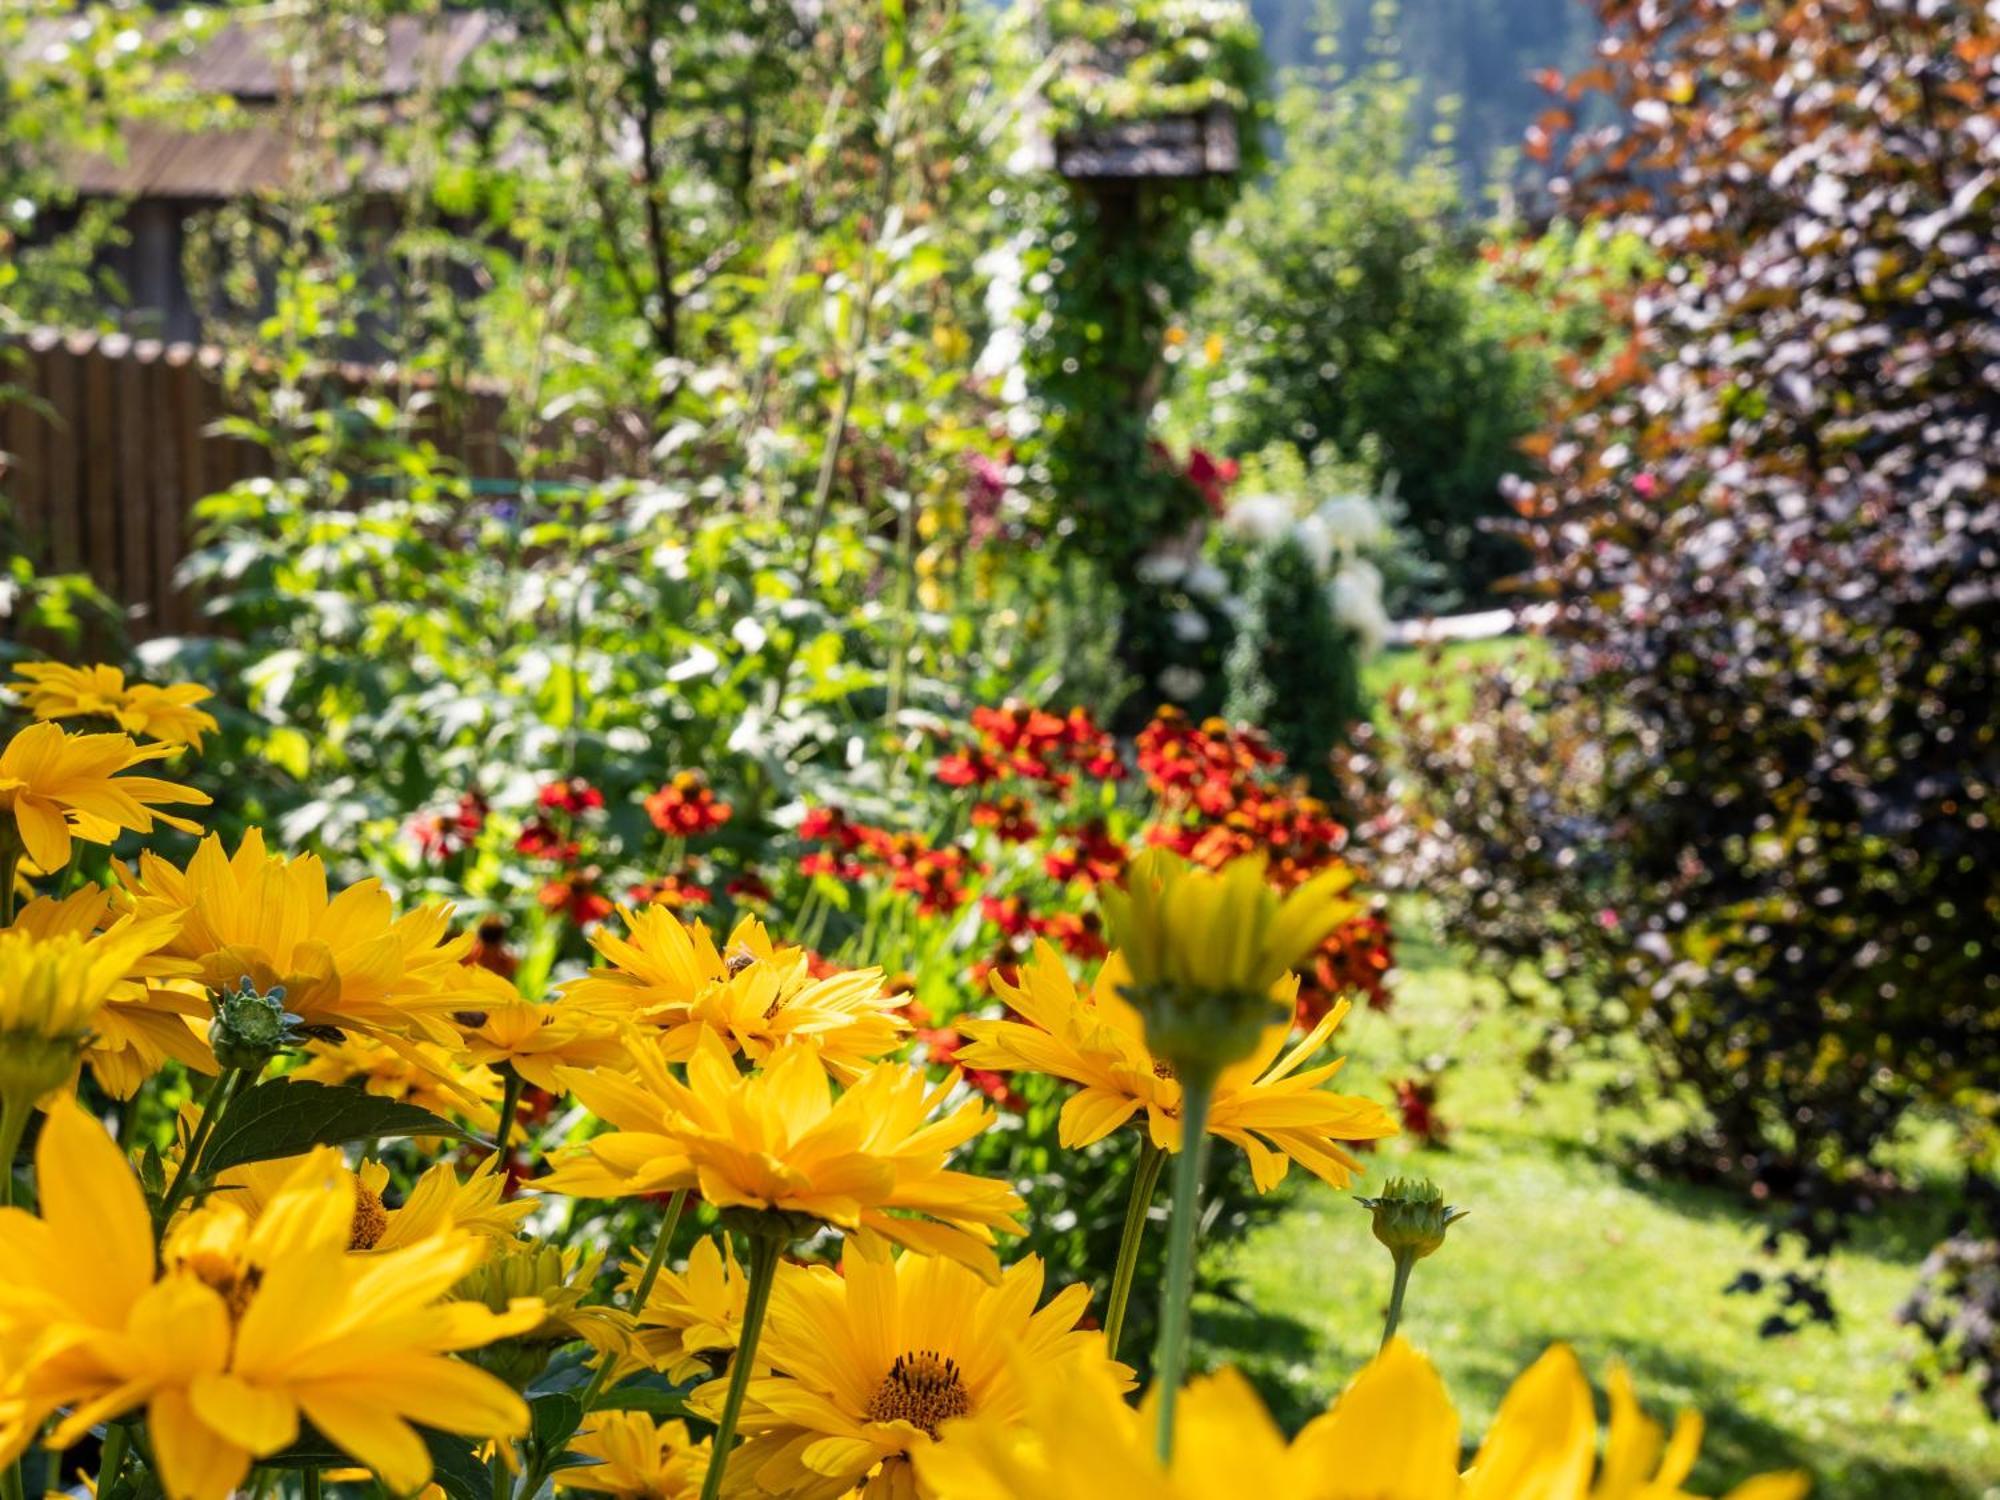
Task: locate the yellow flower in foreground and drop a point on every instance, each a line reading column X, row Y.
column 142, row 1025
column 778, row 1139
column 51, row 690
column 692, row 1319
column 636, row 1460
column 867, row 1366
column 56, row 786
column 245, row 1332
column 1264, row 1104
column 346, row 961
column 1224, row 931
column 53, row 991
column 669, row 976
column 1393, row 1435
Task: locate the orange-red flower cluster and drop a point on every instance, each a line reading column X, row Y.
column 440, row 835
column 675, row 892
column 1033, row 745
column 687, row 807
column 1092, row 855
column 575, row 894
column 935, row 874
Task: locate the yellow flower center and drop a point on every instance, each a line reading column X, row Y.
column 370, row 1218
column 923, row 1389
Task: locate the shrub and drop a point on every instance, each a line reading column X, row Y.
column 1759, row 808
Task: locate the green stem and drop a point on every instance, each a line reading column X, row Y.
column 642, row 1291
column 10, row 1481
column 763, row 1271
column 213, row 1103
column 1145, row 1178
column 1170, row 1363
column 14, row 1113
column 111, row 1458
column 311, row 1480
column 510, row 1104
column 1405, row 1263
column 10, row 860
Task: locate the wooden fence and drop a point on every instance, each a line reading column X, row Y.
column 107, row 442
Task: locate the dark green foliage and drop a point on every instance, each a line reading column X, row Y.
column 1292, row 669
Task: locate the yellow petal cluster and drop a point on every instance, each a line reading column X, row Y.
column 633, row 1458
column 866, row 1366
column 779, row 1140
column 345, row 961
column 53, row 690
column 244, row 1331
column 1393, row 1435
column 1270, row 1104
column 56, row 787
column 668, row 978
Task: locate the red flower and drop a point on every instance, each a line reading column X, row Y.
column 1079, row 934
column 1010, row 817
column 573, row 796
column 1211, row 476
column 540, row 839
column 1416, row 1101
column 576, row 896
column 1094, row 857
column 685, row 807
column 749, row 886
column 968, row 767
column 489, row 949
column 675, row 892
column 1008, row 913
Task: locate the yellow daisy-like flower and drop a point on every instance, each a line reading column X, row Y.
column 1220, row 931
column 438, row 1202
column 692, row 1319
column 420, row 1073
column 1269, row 1104
column 779, row 1140
column 669, row 976
column 867, row 1365
column 143, row 1023
column 346, row 961
column 55, row 787
column 51, row 690
column 634, row 1459
column 560, row 1280
column 534, row 1040
column 246, row 1330
column 1393, row 1435
column 55, row 983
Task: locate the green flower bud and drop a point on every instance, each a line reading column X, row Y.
column 1411, row 1216
column 250, row 1028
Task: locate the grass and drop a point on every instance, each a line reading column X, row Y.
column 1565, row 1242
column 1447, row 667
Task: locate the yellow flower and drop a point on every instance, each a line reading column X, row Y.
column 868, row 1365
column 1264, row 1104
column 779, row 1140
column 559, row 1280
column 1207, row 949
column 535, row 1040
column 54, row 989
column 245, row 1331
column 419, row 1073
column 692, row 1319
column 347, row 961
column 142, row 1025
column 636, row 1460
column 437, row 1203
column 755, row 996
column 1392, row 1435
column 51, row 690
column 59, row 786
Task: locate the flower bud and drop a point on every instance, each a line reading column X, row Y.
column 250, row 1028
column 1411, row 1216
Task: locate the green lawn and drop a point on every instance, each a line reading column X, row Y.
column 1565, row 1243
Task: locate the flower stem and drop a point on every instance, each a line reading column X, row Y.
column 111, row 1458
column 1170, row 1363
column 310, row 1479
column 1145, row 1178
column 642, row 1291
column 10, row 860
column 213, row 1103
column 510, row 1104
column 14, row 1113
column 762, row 1272
column 1405, row 1263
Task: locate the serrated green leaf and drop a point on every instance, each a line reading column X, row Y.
column 286, row 1116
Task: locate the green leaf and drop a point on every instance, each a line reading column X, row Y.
column 654, row 1400
column 286, row 1116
